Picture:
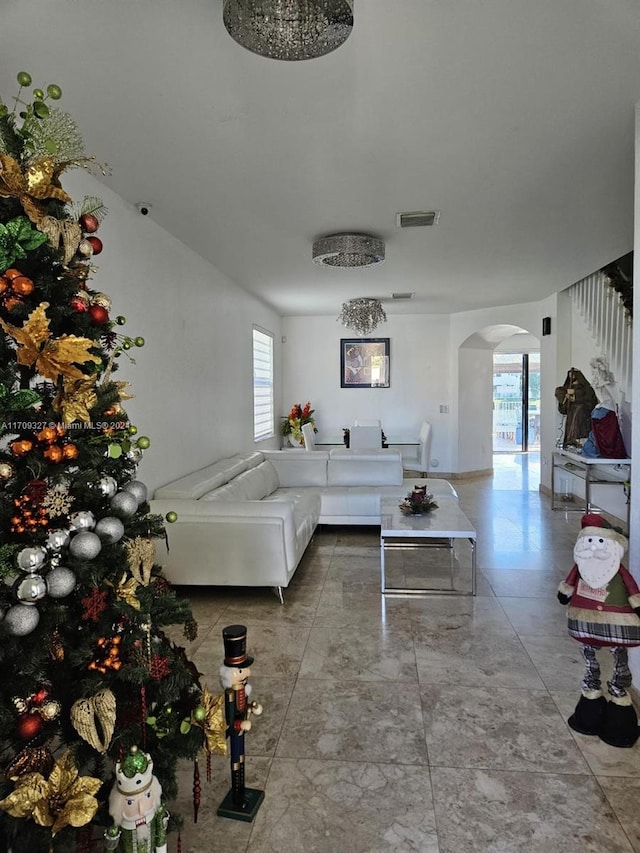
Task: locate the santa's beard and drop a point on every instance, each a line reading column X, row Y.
column 597, row 568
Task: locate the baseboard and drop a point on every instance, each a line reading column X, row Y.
column 466, row 475
column 449, row 475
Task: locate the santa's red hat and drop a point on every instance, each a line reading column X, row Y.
column 594, row 524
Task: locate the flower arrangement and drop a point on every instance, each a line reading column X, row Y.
column 418, row 501
column 298, row 416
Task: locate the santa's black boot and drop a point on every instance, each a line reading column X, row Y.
column 588, row 717
column 620, row 727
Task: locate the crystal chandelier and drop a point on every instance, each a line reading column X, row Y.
column 348, row 250
column 289, row 29
column 362, row 315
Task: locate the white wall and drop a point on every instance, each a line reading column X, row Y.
column 419, row 382
column 193, row 378
column 475, row 421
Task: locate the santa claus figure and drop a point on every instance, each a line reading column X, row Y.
column 604, row 610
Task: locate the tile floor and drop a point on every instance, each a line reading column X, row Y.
column 433, row 724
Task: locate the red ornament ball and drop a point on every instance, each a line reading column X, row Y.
column 99, row 315
column 39, row 696
column 29, row 725
column 89, row 223
column 96, row 244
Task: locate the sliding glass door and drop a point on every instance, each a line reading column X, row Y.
column 516, row 402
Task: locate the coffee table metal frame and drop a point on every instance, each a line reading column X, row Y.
column 436, row 529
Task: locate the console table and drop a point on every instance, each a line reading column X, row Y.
column 436, row 529
column 594, row 472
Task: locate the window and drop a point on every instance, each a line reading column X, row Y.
column 262, row 384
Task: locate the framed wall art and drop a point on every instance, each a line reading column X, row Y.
column 364, row 362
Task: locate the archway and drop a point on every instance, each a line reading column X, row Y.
column 476, row 389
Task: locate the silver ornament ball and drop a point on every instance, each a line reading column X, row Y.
column 110, row 530
column 21, row 619
column 31, row 558
column 57, row 540
column 83, row 520
column 85, row 545
column 138, row 489
column 61, row 581
column 31, row 589
column 107, row 486
column 124, row 504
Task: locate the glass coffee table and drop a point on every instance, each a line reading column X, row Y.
column 438, row 529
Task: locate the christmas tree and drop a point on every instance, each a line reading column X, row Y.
column 89, row 679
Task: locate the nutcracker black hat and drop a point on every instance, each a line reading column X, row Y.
column 235, row 646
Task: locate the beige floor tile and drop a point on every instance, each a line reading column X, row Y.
column 536, row 616
column 485, row 811
column 623, row 795
column 360, row 653
column 499, row 729
column 367, row 721
column 474, row 658
column 336, row 806
column 444, row 614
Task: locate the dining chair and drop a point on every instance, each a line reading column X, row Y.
column 367, row 422
column 420, row 462
column 365, row 438
column 309, row 437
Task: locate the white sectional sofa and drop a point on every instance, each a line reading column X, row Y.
column 247, row 520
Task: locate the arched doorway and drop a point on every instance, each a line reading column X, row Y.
column 476, row 389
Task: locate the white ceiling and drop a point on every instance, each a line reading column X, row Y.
column 514, row 118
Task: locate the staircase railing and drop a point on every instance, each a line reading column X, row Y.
column 609, row 323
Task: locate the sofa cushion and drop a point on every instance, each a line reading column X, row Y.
column 299, row 467
column 252, row 485
column 193, row 486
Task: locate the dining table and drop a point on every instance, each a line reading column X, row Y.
column 393, row 439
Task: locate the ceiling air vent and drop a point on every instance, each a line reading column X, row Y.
column 407, row 295
column 417, row 219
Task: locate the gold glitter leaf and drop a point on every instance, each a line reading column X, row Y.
column 38, row 182
column 126, row 590
column 52, row 357
column 66, row 798
column 75, row 399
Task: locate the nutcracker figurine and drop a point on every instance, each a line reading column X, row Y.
column 241, row 803
column 135, row 805
column 604, row 611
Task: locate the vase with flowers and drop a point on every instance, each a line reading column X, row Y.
column 418, row 502
column 291, row 427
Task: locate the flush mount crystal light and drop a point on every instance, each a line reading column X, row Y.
column 362, row 315
column 348, row 250
column 289, row 29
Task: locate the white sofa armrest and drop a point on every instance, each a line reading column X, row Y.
column 235, row 543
